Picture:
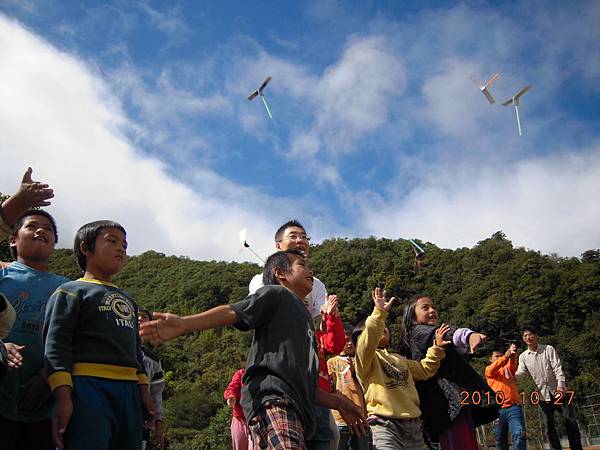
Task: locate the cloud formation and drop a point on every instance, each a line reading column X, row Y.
column 61, row 118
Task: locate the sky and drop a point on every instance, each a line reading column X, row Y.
column 136, row 111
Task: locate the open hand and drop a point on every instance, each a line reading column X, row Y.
column 439, row 336
column 331, row 305
column 379, row 299
column 33, row 193
column 353, row 416
column 165, row 327
column 475, row 339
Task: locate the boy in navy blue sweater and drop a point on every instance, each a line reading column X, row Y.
column 93, row 350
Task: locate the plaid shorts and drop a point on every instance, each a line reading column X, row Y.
column 277, row 427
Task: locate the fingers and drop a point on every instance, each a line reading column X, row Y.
column 359, row 427
column 13, row 353
column 27, row 176
column 388, row 305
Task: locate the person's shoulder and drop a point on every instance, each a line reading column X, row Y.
column 274, row 291
column 255, row 283
column 317, row 282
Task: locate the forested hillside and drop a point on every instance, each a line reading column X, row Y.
column 492, row 287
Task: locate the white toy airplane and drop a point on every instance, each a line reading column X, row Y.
column 514, row 100
column 259, row 92
column 484, row 87
column 243, row 232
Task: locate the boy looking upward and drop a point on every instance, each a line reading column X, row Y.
column 280, row 383
column 26, row 286
column 292, row 235
column 93, row 350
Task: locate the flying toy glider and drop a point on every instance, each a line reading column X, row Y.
column 514, row 100
column 245, row 244
column 484, row 87
column 259, row 92
column 419, row 253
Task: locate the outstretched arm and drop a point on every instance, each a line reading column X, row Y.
column 167, row 326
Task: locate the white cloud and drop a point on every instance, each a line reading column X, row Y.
column 549, row 204
column 61, row 118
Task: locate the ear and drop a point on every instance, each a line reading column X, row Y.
column 280, row 275
column 84, row 249
column 278, row 246
column 12, row 240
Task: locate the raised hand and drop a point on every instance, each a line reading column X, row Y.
column 439, row 336
column 512, row 351
column 379, row 299
column 29, row 195
column 331, row 305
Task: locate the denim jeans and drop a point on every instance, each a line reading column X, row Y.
column 323, row 433
column 512, row 419
column 350, row 442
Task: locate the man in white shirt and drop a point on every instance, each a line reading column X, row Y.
column 543, row 364
column 292, row 235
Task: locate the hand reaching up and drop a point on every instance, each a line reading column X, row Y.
column 439, row 336
column 379, row 299
column 331, row 305
column 29, row 195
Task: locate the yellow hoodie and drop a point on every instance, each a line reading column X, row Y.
column 388, row 379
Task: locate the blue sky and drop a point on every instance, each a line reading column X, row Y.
column 137, row 111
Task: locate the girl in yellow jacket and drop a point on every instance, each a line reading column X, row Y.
column 388, row 380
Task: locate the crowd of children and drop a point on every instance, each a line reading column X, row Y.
column 75, row 374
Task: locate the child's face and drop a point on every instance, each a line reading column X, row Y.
column 425, row 312
column 293, row 237
column 495, row 356
column 349, row 347
column 35, row 239
column 384, row 342
column 109, row 254
column 300, row 279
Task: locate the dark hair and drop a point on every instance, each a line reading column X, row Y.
column 529, row 328
column 348, row 328
column 87, row 235
column 146, row 312
column 358, row 329
column 495, row 350
column 407, row 323
column 285, row 226
column 279, row 260
column 31, row 212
